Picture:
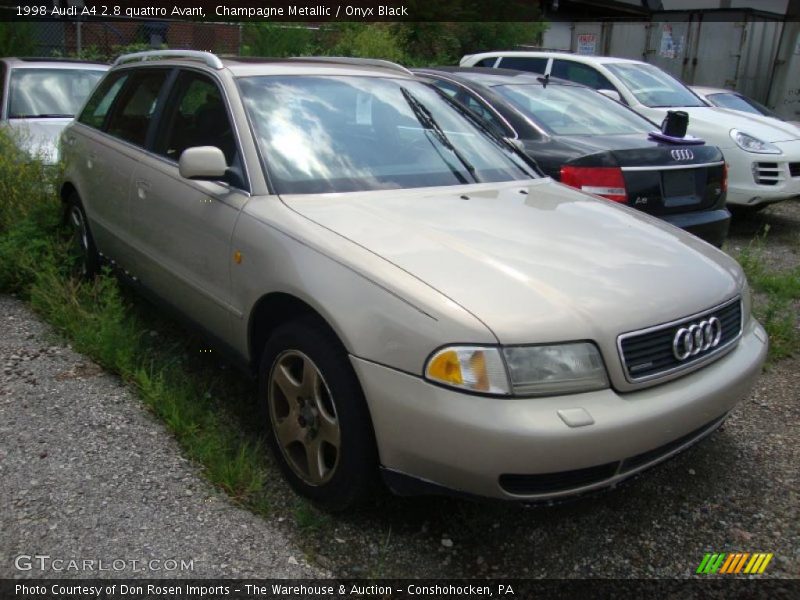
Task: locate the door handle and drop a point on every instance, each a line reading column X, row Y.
column 69, row 140
column 90, row 158
column 142, row 187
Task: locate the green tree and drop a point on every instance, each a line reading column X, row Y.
column 446, row 43
column 278, row 40
column 16, row 39
column 373, row 40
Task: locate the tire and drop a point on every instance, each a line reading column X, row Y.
column 87, row 259
column 311, row 401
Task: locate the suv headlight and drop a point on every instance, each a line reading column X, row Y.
column 520, row 370
column 748, row 143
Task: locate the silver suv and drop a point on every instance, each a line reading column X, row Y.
column 415, row 299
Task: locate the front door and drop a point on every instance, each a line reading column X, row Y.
column 182, row 228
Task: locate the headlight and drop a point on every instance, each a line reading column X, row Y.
column 557, row 369
column 532, row 370
column 748, row 143
column 472, row 368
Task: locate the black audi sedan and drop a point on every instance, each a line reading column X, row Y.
column 589, row 141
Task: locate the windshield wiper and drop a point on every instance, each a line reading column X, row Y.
column 427, row 121
column 498, row 139
column 42, row 116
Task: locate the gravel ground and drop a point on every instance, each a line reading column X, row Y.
column 124, row 491
column 87, row 473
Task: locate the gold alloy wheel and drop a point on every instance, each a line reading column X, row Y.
column 304, row 417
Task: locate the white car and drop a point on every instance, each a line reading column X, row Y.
column 736, row 101
column 41, row 96
column 763, row 154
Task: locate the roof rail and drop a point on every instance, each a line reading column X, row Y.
column 210, row 59
column 351, row 60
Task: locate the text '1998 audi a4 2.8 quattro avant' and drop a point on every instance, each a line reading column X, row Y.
column 416, row 300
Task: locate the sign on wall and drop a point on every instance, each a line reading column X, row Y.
column 587, row 43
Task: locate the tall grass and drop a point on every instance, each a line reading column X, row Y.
column 777, row 298
column 209, row 409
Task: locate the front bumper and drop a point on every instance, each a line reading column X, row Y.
column 709, row 225
column 759, row 179
column 470, row 444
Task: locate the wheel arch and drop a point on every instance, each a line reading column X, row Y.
column 272, row 310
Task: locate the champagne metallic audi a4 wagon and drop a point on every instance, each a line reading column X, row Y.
column 415, row 298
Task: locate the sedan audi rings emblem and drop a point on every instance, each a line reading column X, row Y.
column 697, row 338
column 682, row 154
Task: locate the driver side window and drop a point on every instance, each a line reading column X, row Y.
column 198, row 118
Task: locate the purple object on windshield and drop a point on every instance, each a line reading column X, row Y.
column 689, row 139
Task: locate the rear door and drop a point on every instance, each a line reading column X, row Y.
column 182, row 228
column 119, row 122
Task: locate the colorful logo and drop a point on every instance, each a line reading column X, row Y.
column 734, row 563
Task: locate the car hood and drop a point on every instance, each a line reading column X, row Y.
column 535, row 261
column 704, row 118
column 39, row 137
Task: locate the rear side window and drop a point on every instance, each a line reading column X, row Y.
column 580, row 73
column 486, row 62
column 96, row 109
column 132, row 114
column 524, row 63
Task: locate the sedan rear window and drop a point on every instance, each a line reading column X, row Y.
column 573, row 110
column 653, row 87
column 42, row 93
column 342, row 134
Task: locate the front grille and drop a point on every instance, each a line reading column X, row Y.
column 767, row 173
column 649, row 354
column 794, row 169
column 564, row 481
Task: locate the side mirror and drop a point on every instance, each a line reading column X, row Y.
column 203, row 162
column 613, row 94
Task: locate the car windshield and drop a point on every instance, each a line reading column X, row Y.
column 653, row 87
column 45, row 92
column 322, row 134
column 737, row 102
column 572, row 110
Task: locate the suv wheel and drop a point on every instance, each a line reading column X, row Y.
column 319, row 425
column 87, row 260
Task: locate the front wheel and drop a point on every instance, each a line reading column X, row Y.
column 319, row 425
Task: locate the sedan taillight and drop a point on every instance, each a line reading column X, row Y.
column 724, row 177
column 607, row 182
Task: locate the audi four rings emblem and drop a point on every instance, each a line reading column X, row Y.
column 697, row 338
column 682, row 154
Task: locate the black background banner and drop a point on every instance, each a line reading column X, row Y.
column 318, row 11
column 729, row 588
